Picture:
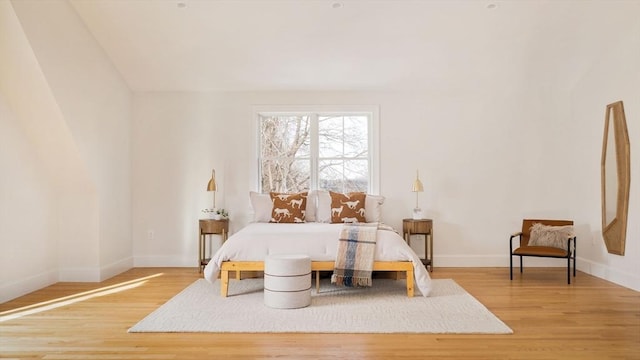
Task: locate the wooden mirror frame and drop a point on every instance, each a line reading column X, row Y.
column 614, row 231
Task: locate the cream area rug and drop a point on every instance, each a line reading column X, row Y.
column 383, row 308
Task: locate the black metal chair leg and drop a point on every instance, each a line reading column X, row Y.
column 521, row 264
column 510, row 266
column 574, row 261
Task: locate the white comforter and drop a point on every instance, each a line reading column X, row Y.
column 317, row 240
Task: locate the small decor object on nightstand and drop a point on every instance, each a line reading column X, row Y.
column 215, row 214
column 420, row 227
column 208, row 213
column 219, row 214
column 417, row 188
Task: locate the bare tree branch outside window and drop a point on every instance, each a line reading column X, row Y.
column 286, row 152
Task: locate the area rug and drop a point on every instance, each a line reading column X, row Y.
column 383, row 308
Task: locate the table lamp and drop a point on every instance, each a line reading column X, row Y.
column 417, row 188
column 211, row 186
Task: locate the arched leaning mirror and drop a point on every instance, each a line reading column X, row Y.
column 616, row 164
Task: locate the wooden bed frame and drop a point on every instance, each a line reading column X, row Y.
column 317, row 266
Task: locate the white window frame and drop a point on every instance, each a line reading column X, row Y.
column 320, row 110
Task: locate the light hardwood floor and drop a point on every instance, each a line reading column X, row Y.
column 590, row 319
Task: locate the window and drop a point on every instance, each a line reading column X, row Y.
column 331, row 150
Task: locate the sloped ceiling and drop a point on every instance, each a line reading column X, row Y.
column 271, row 45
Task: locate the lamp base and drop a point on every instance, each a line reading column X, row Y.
column 417, row 214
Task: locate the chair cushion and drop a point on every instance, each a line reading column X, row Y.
column 546, row 251
column 553, row 236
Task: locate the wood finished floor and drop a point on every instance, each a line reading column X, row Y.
column 590, row 319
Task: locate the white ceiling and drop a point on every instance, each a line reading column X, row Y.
column 444, row 46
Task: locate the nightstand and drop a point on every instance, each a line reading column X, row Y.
column 210, row 227
column 420, row 227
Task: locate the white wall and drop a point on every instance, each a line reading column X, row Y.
column 95, row 103
column 468, row 149
column 614, row 76
column 40, row 169
column 487, row 160
column 65, row 135
column 28, row 241
column 178, row 138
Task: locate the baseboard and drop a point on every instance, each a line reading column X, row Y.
column 468, row 261
column 116, row 268
column 24, row 286
column 164, row 261
column 628, row 280
column 631, row 281
column 493, row 261
column 85, row 274
column 95, row 274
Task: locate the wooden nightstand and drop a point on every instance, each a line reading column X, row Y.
column 210, row 227
column 420, row 227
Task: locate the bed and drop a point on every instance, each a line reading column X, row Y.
column 247, row 249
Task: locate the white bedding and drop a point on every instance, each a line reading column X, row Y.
column 317, row 240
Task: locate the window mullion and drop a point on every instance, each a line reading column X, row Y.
column 314, row 151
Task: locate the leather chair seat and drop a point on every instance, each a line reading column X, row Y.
column 544, row 251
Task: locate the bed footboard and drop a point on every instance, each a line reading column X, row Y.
column 317, row 266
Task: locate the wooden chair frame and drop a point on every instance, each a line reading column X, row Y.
column 542, row 251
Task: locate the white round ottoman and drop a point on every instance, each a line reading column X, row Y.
column 287, row 281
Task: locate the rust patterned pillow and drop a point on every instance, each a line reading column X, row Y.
column 347, row 208
column 288, row 208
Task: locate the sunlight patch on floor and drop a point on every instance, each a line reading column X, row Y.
column 75, row 298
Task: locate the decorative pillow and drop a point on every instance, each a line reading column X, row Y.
column 347, row 208
column 553, row 236
column 289, row 208
column 372, row 207
column 263, row 205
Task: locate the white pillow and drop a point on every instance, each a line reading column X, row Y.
column 312, row 199
column 372, row 207
column 262, row 206
column 323, row 210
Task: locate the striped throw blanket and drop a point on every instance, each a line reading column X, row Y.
column 356, row 249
